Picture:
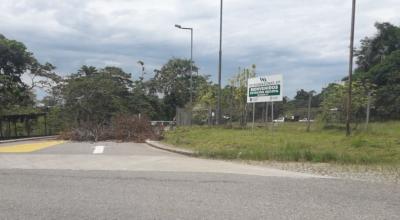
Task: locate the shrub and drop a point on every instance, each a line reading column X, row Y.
column 133, row 128
column 121, row 128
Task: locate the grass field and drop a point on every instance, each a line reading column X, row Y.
column 289, row 142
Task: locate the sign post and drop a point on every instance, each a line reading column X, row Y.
column 265, row 89
column 254, row 113
column 272, row 116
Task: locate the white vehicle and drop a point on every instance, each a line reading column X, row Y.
column 280, row 120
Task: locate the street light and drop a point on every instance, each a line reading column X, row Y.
column 191, row 60
column 219, row 67
column 141, row 63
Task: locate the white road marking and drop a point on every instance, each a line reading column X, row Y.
column 98, row 150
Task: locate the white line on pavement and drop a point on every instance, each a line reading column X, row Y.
column 98, row 150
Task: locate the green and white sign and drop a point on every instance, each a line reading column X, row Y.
column 265, row 89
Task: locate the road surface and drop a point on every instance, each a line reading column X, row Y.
column 64, row 180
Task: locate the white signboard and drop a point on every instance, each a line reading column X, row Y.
column 265, row 89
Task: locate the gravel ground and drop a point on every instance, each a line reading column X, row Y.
column 371, row 173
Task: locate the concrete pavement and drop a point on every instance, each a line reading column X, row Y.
column 56, row 194
column 135, row 181
column 128, row 157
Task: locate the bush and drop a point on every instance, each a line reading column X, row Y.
column 121, row 128
column 133, row 128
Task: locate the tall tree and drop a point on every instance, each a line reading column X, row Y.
column 386, row 77
column 173, row 81
column 374, row 50
column 16, row 60
column 378, row 62
column 94, row 98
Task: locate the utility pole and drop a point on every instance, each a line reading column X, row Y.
column 348, row 118
column 219, row 67
column 191, row 71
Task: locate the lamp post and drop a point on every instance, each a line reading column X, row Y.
column 191, row 61
column 141, row 63
column 219, row 66
column 348, row 118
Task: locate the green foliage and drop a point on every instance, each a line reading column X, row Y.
column 97, row 96
column 334, row 102
column 173, row 81
column 16, row 60
column 378, row 62
column 374, row 50
column 386, row 76
column 92, row 97
column 142, row 100
column 238, row 84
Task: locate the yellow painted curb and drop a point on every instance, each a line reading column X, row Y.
column 27, row 148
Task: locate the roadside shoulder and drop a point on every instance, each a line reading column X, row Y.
column 369, row 173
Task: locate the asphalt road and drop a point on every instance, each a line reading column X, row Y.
column 134, row 181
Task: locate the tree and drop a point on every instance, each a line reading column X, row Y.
column 208, row 98
column 386, row 76
column 334, row 101
column 144, row 100
column 378, row 62
column 374, row 50
column 92, row 99
column 239, row 83
column 173, row 81
column 16, row 60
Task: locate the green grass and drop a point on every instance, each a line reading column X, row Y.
column 289, row 142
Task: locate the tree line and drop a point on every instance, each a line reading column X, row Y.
column 95, row 95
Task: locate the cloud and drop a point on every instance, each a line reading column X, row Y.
column 307, row 41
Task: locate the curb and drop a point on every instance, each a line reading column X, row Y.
column 27, row 139
column 161, row 146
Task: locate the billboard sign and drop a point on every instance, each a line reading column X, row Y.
column 265, row 89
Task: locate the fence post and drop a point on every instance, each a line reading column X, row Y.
column 45, row 124
column 309, row 112
column 368, row 110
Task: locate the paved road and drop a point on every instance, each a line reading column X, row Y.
column 134, row 181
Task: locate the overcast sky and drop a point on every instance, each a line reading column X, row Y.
column 305, row 40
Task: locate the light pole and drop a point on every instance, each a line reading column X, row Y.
column 141, row 63
column 191, row 61
column 219, row 66
column 353, row 18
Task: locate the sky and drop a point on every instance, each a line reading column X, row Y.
column 305, row 40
